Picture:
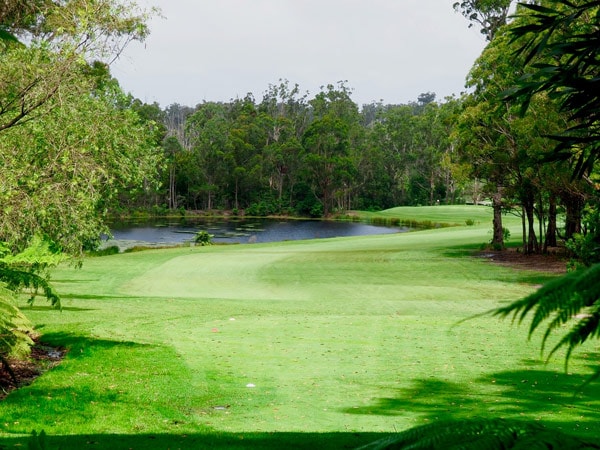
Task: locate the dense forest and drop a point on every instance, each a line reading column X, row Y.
column 289, row 154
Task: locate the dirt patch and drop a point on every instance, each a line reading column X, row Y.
column 42, row 359
column 552, row 262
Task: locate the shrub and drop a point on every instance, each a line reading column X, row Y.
column 112, row 250
column 203, row 238
column 586, row 246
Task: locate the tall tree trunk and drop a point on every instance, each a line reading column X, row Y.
column 532, row 243
column 551, row 230
column 236, row 204
column 541, row 220
column 574, row 203
column 431, row 188
column 172, row 193
column 524, row 228
column 498, row 232
column 209, row 203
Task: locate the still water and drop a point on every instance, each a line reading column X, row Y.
column 165, row 232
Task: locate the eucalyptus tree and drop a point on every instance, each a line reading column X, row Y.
column 244, row 156
column 175, row 117
column 57, row 41
column 432, row 149
column 327, row 142
column 489, row 15
column 393, row 135
column 412, row 145
column 286, row 115
column 207, row 132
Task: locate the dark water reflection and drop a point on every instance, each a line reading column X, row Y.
column 164, row 232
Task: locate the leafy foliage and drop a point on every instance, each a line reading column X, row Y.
column 29, row 270
column 586, row 246
column 203, row 238
column 560, row 41
column 14, row 326
column 480, row 434
column 68, row 141
column 490, row 15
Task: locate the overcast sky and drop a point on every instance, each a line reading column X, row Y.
column 216, row 50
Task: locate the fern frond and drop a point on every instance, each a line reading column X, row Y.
column 573, row 297
column 29, row 269
column 587, row 327
column 545, row 301
column 14, row 326
column 19, row 278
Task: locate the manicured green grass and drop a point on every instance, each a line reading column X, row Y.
column 316, row 344
column 450, row 215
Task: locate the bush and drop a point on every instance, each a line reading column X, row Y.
column 203, row 238
column 112, row 250
column 264, row 208
column 586, row 246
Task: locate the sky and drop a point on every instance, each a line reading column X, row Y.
column 217, row 50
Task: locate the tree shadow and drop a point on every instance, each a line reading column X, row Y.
column 66, row 398
column 35, row 307
column 208, row 440
column 531, row 276
column 95, row 297
column 77, row 342
column 532, row 394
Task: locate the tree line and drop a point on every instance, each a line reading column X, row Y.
column 291, row 154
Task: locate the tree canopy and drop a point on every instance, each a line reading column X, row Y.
column 69, row 139
column 63, row 134
column 559, row 41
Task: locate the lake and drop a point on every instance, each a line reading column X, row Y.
column 247, row 231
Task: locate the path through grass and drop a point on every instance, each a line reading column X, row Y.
column 323, row 343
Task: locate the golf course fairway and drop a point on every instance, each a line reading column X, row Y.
column 326, row 343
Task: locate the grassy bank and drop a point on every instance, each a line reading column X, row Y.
column 327, row 343
column 438, row 216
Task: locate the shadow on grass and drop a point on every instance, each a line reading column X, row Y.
column 79, row 342
column 230, row 441
column 35, row 307
column 530, row 276
column 96, row 297
column 64, row 400
column 555, row 397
